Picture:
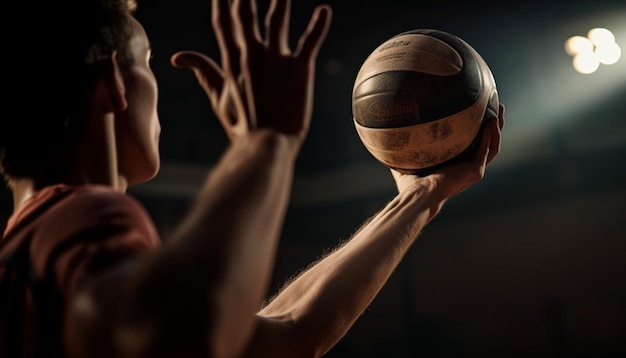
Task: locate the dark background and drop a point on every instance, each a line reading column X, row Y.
column 530, row 262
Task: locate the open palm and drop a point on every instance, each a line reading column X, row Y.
column 262, row 83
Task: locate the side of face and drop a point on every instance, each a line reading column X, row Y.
column 137, row 127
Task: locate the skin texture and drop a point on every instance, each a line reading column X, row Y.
column 216, row 266
column 137, row 131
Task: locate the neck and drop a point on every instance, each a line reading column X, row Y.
column 92, row 161
column 22, row 190
column 95, row 158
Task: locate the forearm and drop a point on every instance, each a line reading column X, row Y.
column 321, row 304
column 217, row 265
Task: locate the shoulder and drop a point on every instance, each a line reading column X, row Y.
column 99, row 198
column 72, row 205
column 90, row 229
column 95, row 206
column 92, row 213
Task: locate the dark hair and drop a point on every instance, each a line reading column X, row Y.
column 55, row 62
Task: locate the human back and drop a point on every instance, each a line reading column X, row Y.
column 58, row 238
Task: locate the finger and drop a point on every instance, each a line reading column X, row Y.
column 201, row 64
column 494, row 141
column 277, row 25
column 501, row 116
column 225, row 34
column 207, row 72
column 212, row 80
column 247, row 20
column 482, row 153
column 498, row 124
column 312, row 38
column 231, row 111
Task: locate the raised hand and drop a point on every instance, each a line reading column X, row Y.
column 453, row 179
column 261, row 83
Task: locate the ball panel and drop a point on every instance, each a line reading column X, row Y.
column 404, row 98
column 472, row 71
column 489, row 83
column 412, row 52
column 428, row 144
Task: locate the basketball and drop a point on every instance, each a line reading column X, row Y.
column 420, row 99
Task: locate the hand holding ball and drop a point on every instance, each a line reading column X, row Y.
column 420, row 99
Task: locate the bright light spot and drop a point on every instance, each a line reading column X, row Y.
column 599, row 47
column 609, row 54
column 586, row 62
column 578, row 44
column 601, row 36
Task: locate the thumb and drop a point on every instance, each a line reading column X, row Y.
column 189, row 59
column 207, row 72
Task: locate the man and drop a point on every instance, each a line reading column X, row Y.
column 109, row 287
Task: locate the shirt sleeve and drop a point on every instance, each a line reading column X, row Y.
column 90, row 233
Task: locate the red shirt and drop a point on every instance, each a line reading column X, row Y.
column 74, row 232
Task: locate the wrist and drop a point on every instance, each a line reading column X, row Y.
column 425, row 194
column 271, row 141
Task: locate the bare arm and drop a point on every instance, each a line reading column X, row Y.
column 198, row 295
column 316, row 309
column 220, row 260
column 311, row 313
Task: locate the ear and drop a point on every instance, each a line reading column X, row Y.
column 118, row 87
column 109, row 87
